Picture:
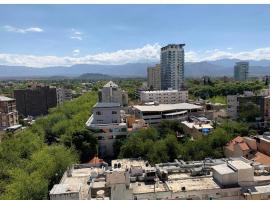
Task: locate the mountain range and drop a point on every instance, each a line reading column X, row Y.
column 222, row 67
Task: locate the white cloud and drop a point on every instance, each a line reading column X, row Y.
column 147, row 53
column 76, row 52
column 76, row 35
column 21, row 30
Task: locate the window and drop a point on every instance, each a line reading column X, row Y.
column 114, row 112
column 98, row 113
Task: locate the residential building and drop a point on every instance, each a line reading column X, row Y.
column 241, row 71
column 8, row 112
column 135, row 179
column 197, row 126
column 172, row 66
column 155, row 113
column 236, row 103
column 107, row 125
column 153, row 77
column 164, row 96
column 255, row 149
column 37, row 100
column 112, row 93
column 237, row 147
column 63, row 95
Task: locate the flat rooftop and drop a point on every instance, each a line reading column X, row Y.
column 167, row 107
column 128, row 163
column 141, row 187
column 196, row 125
column 191, row 184
column 4, row 98
column 106, row 105
column 223, row 169
column 162, row 91
column 65, row 189
column 239, row 164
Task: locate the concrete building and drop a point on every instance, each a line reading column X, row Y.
column 172, row 66
column 63, row 95
column 241, row 71
column 135, row 179
column 36, row 101
column 255, row 149
column 8, row 112
column 236, row 103
column 153, row 77
column 108, row 126
column 154, row 113
column 164, row 96
column 112, row 93
column 197, row 126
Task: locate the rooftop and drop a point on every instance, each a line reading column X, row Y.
column 3, row 98
column 128, row 163
column 106, row 105
column 197, row 125
column 166, row 107
column 111, row 84
column 239, row 164
column 65, row 189
column 190, row 184
column 237, row 141
column 141, row 187
column 162, row 91
column 223, row 169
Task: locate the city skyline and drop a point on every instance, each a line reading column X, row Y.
column 63, row 35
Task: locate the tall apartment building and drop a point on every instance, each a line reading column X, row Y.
column 172, row 66
column 112, row 93
column 153, row 77
column 36, row 101
column 8, row 112
column 241, row 71
column 164, row 96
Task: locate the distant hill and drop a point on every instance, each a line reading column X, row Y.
column 90, row 76
column 222, row 67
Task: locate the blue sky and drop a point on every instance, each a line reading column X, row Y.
column 103, row 33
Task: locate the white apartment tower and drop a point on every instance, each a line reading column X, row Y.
column 172, row 66
column 153, row 77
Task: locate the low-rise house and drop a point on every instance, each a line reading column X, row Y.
column 237, row 148
column 255, row 149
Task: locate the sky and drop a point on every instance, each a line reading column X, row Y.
column 63, row 35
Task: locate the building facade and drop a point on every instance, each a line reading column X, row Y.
column 164, row 96
column 172, row 66
column 241, row 71
column 154, row 114
column 107, row 126
column 237, row 103
column 153, row 77
column 112, row 93
column 36, row 101
column 8, row 112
